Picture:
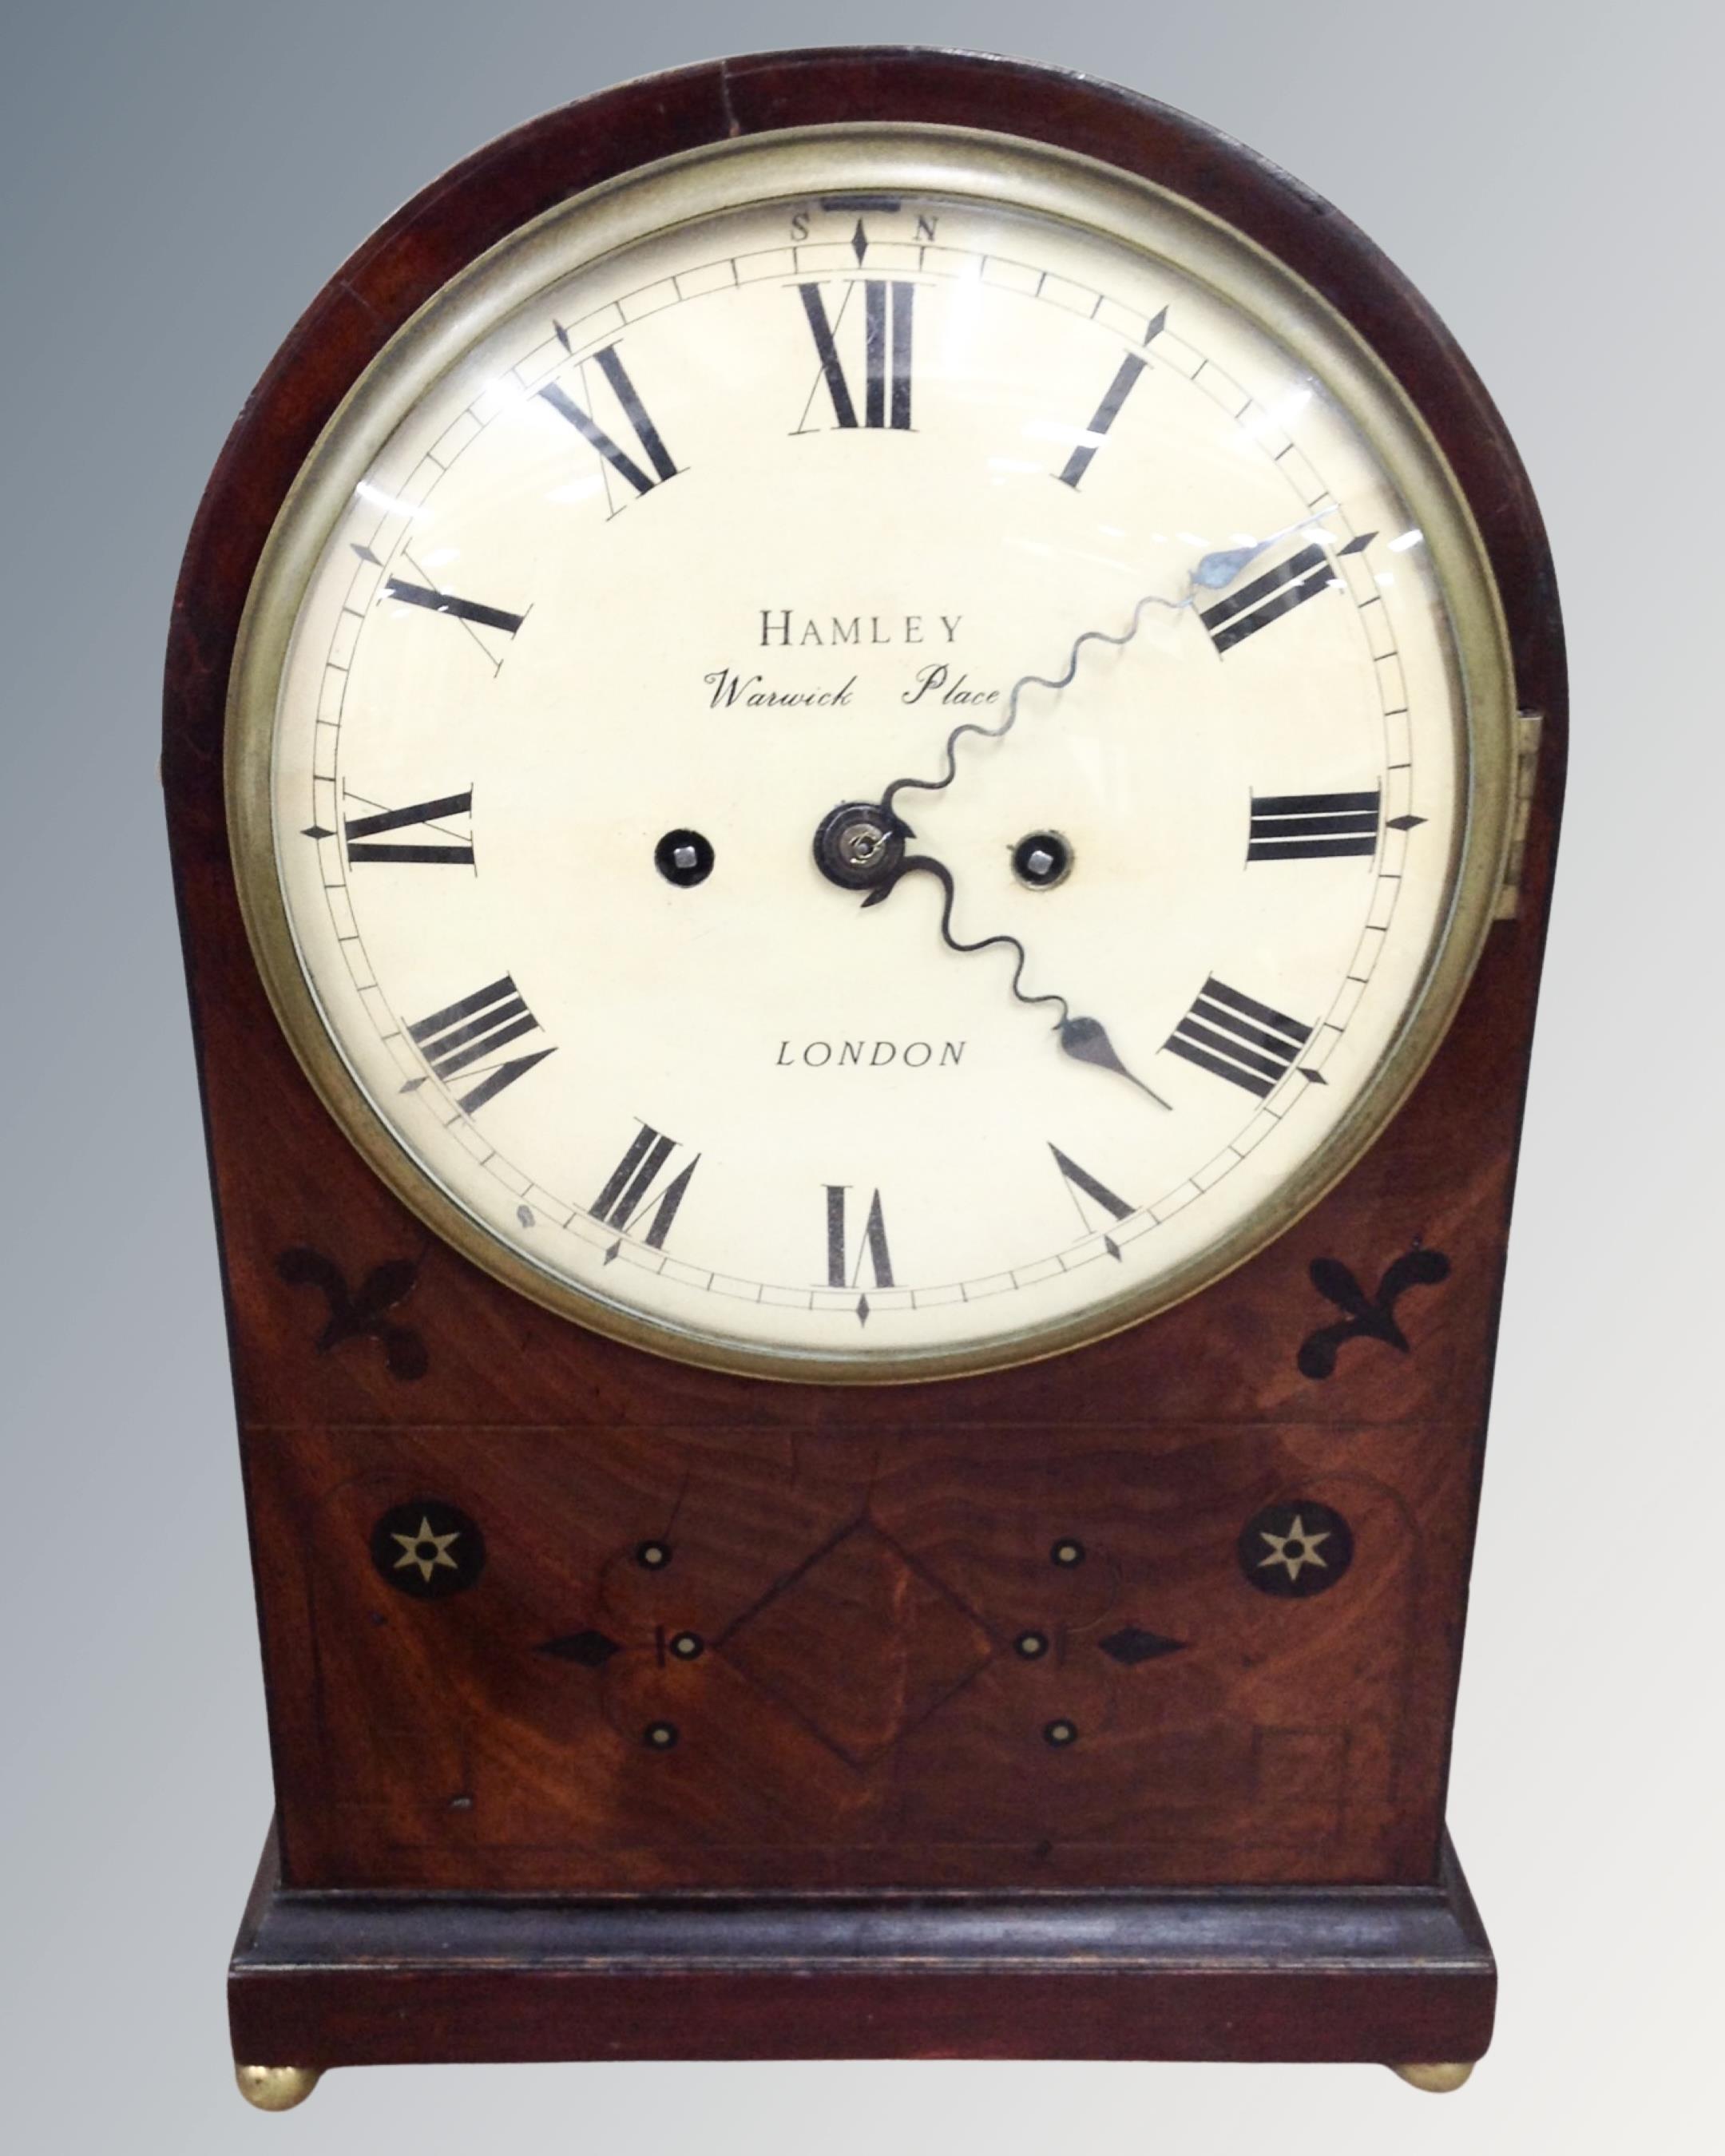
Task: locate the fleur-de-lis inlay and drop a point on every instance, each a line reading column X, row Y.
column 360, row 1317
column 1369, row 1317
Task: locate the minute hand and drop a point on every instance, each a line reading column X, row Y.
column 1214, row 572
column 1025, row 681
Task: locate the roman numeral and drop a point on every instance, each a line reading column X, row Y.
column 1234, row 1038
column 1268, row 597
column 840, row 1273
column 1081, row 1184
column 628, row 1189
column 1311, row 827
column 611, row 366
column 468, row 610
column 1103, row 418
column 361, row 831
column 1080, row 1178
column 886, row 351
column 463, row 1034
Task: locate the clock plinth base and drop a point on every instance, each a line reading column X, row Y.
column 1368, row 1974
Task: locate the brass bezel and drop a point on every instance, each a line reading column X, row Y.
column 907, row 158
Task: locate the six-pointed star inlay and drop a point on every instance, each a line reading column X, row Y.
column 1298, row 1547
column 414, row 1548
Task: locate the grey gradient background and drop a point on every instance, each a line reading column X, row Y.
column 176, row 180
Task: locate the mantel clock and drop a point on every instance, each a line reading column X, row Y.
column 863, row 749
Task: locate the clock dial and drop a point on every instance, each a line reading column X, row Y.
column 869, row 781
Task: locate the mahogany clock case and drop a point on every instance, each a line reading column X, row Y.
column 958, row 1700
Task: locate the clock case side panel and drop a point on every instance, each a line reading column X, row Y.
column 324, row 1397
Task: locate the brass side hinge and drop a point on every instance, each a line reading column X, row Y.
column 1509, row 894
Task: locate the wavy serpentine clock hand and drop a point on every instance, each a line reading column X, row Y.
column 1085, row 1038
column 1213, row 572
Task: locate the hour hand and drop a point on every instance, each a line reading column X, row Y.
column 1084, row 1038
column 1087, row 1038
column 860, row 847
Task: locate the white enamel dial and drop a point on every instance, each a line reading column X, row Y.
column 735, row 525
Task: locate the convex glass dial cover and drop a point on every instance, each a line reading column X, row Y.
column 869, row 754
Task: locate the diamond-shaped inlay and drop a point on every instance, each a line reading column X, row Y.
column 1132, row 1644
column 859, row 1642
column 592, row 1649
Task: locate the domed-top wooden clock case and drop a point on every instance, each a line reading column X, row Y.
column 633, row 1697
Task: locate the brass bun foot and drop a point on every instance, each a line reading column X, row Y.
column 276, row 2088
column 1436, row 2081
